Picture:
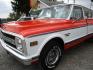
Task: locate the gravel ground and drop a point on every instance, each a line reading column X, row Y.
column 79, row 58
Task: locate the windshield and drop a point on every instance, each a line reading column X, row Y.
column 32, row 15
column 51, row 12
column 55, row 12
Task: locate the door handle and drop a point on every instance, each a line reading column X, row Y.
column 67, row 34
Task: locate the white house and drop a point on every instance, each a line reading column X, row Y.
column 85, row 3
column 45, row 3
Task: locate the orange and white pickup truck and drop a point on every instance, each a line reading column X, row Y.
column 45, row 38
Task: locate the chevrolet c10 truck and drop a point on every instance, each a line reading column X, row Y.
column 45, row 38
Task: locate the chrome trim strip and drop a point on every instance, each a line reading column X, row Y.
column 14, row 49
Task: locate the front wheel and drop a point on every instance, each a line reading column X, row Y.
column 51, row 55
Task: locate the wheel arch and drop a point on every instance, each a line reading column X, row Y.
column 57, row 38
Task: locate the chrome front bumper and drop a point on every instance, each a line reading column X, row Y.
column 26, row 60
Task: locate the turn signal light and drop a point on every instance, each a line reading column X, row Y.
column 34, row 43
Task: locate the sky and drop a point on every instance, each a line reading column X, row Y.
column 5, row 6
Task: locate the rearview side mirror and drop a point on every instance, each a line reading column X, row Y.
column 75, row 19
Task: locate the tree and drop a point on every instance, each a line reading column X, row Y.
column 21, row 6
column 13, row 16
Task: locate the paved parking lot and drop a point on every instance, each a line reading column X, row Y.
column 79, row 58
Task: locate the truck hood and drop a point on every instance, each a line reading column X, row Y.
column 34, row 27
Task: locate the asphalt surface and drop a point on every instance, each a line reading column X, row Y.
column 79, row 58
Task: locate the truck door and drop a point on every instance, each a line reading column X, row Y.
column 79, row 22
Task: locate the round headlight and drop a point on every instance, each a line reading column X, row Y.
column 18, row 40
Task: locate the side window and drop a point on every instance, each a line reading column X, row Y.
column 62, row 11
column 88, row 13
column 92, row 14
column 77, row 13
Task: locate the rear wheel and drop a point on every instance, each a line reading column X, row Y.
column 51, row 55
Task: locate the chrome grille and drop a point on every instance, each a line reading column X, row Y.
column 9, row 39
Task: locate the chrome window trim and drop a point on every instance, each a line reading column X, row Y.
column 70, row 12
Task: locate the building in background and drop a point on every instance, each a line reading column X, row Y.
column 42, row 4
column 52, row 2
column 45, row 3
column 85, row 3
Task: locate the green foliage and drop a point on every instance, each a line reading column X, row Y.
column 19, row 7
column 13, row 16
